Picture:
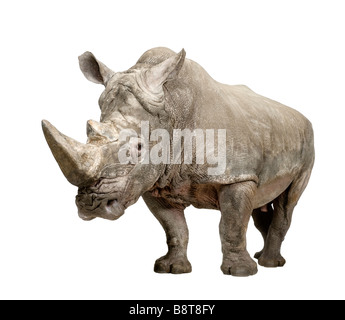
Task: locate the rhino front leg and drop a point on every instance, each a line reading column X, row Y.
column 236, row 208
column 174, row 223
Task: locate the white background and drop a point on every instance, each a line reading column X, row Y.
column 290, row 51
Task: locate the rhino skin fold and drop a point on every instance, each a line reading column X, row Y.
column 269, row 157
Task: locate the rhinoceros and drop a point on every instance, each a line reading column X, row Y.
column 269, row 157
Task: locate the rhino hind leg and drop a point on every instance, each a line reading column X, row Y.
column 174, row 223
column 284, row 205
column 262, row 221
column 236, row 208
column 270, row 256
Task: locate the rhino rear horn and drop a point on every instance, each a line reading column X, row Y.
column 79, row 162
column 100, row 132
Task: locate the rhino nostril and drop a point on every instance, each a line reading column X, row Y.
column 110, row 203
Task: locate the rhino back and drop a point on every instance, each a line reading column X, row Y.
column 275, row 140
column 265, row 138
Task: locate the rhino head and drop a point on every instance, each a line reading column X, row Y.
column 106, row 186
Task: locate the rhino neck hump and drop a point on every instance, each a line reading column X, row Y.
column 188, row 94
column 184, row 95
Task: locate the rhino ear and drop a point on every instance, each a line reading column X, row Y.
column 167, row 70
column 93, row 69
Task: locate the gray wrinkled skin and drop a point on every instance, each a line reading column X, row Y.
column 270, row 155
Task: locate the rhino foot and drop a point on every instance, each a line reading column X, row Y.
column 176, row 265
column 258, row 254
column 239, row 265
column 271, row 262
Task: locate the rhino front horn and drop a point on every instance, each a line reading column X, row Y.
column 79, row 162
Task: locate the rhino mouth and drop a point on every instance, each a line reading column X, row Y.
column 94, row 206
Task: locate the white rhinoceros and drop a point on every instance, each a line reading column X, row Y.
column 268, row 158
